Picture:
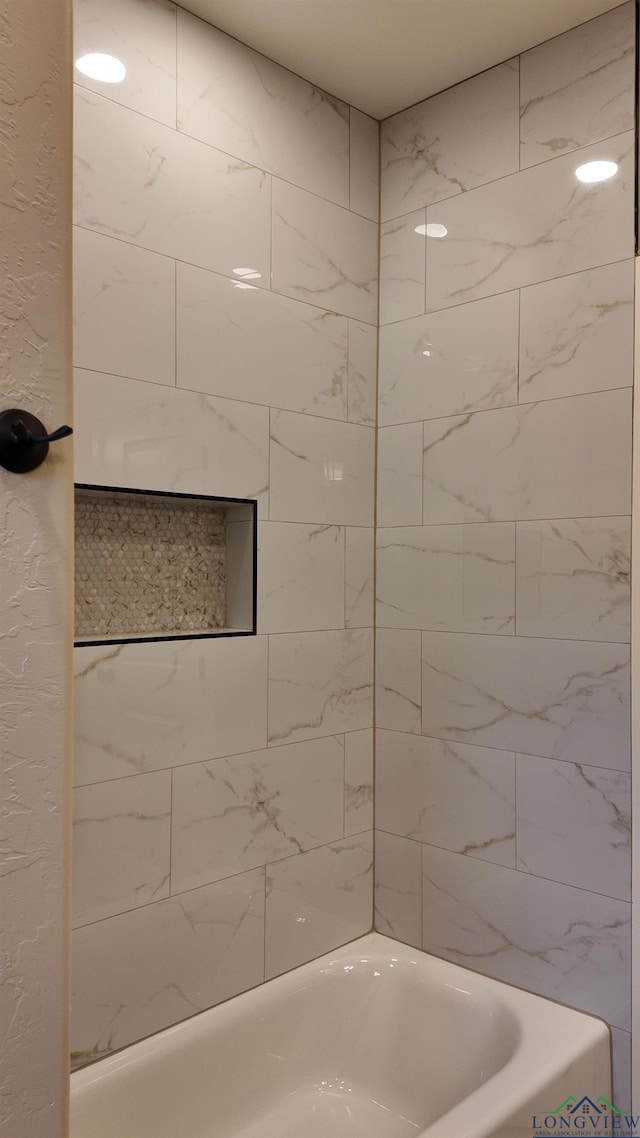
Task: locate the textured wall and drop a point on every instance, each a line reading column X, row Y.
column 223, row 787
column 35, row 569
column 502, row 792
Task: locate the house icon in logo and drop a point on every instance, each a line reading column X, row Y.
column 586, row 1105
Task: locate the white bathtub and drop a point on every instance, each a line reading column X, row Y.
column 374, row 1040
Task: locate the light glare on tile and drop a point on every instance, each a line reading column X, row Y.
column 247, row 274
column 241, row 284
column 104, row 68
column 596, row 171
column 421, row 229
column 435, row 229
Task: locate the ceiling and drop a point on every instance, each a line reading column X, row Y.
column 383, row 55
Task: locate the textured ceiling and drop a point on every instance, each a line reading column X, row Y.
column 384, row 55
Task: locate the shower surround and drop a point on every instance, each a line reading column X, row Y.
column 225, row 343
column 223, row 788
column 504, row 481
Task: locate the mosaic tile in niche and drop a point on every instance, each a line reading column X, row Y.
column 148, row 565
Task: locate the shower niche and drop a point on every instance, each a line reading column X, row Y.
column 151, row 565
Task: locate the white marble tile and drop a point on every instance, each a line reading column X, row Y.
column 143, row 37
column 358, row 781
column 124, row 309
column 398, row 888
column 450, row 362
column 154, row 187
column 238, row 813
column 320, row 683
column 574, row 824
column 586, row 444
column 359, row 570
column 559, row 698
column 400, row 475
column 576, row 333
column 301, row 579
column 324, row 254
column 398, row 679
column 573, row 578
column 250, row 344
column 121, row 845
column 139, row 972
column 362, row 372
column 578, row 87
column 558, row 941
column 150, row 437
column 531, row 226
column 317, row 901
column 447, row 794
column 364, row 155
column 448, row 578
column 143, row 707
column 402, row 267
column 247, row 105
column 321, row 470
column 451, row 142
column 621, row 1054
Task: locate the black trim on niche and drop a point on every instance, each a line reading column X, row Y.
column 223, row 498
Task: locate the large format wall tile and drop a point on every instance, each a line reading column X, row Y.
column 363, row 372
column 247, row 343
column 451, row 142
column 243, row 103
column 301, row 577
column 578, row 87
column 576, row 333
column 121, row 845
column 402, row 268
column 455, row 578
column 450, row 362
column 147, row 184
column 240, row 812
column 143, row 707
column 358, row 781
column 399, row 465
column 118, row 286
column 324, row 254
column 574, row 824
column 317, row 901
column 573, row 578
column 399, row 679
column 359, row 571
column 534, row 225
column 143, row 36
column 552, row 939
column 321, row 471
column 150, row 437
column 398, row 888
column 559, row 698
column 448, row 794
column 363, row 164
column 586, row 444
column 139, row 972
column 320, row 683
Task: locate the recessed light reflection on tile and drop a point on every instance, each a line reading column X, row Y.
column 433, row 229
column 104, row 68
column 241, row 284
column 599, row 171
column 247, row 274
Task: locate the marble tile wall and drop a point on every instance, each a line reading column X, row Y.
column 502, row 700
column 223, row 802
